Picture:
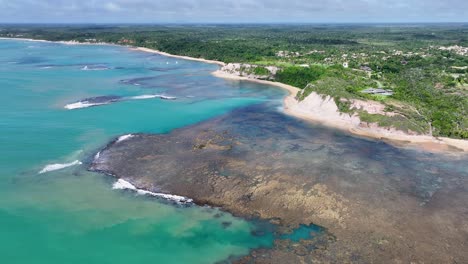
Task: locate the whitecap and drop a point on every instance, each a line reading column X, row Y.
column 78, row 105
column 145, row 96
column 151, row 96
column 121, row 184
column 167, row 97
column 94, row 68
column 124, row 137
column 59, row 166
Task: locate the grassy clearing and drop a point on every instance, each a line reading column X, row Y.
column 399, row 122
column 281, row 64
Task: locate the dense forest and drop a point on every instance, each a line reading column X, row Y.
column 424, row 65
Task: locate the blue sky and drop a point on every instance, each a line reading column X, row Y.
column 228, row 11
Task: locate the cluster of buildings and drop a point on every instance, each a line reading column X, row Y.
column 378, row 91
column 287, row 54
column 463, row 51
column 126, row 41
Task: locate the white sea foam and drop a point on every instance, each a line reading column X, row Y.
column 99, row 68
column 124, row 137
column 151, row 96
column 46, row 67
column 121, row 184
column 125, row 185
column 59, row 166
column 78, row 105
column 167, row 97
column 145, row 96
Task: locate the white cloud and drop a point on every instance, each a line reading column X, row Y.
column 232, row 11
column 112, row 7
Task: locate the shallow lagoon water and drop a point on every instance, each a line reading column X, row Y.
column 72, row 215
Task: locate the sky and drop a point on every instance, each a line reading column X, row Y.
column 229, row 11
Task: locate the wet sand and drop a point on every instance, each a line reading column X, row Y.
column 378, row 203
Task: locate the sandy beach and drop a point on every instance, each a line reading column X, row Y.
column 71, row 42
column 180, row 57
column 291, row 89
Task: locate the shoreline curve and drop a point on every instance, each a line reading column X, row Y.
column 291, row 104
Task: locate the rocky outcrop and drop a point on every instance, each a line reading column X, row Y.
column 248, row 71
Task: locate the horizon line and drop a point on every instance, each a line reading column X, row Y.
column 232, row 23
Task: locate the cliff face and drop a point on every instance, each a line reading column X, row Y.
column 323, row 109
column 248, row 71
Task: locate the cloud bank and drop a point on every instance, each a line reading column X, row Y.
column 229, row 11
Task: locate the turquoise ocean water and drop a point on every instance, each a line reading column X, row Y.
column 74, row 216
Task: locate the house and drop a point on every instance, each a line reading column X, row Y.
column 366, row 68
column 126, row 41
column 378, row 91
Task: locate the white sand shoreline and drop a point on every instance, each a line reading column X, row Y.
column 70, row 42
column 291, row 106
column 178, row 56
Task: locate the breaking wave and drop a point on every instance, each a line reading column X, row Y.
column 93, row 101
column 121, row 184
column 124, row 137
column 151, row 96
column 95, row 68
column 78, row 105
column 104, row 100
column 59, row 166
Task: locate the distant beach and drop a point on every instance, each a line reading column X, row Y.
column 178, row 56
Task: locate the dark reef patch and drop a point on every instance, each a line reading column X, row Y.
column 376, row 203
